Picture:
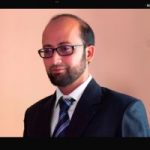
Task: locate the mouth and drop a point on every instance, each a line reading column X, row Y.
column 56, row 70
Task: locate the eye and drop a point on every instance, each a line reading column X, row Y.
column 47, row 50
column 65, row 48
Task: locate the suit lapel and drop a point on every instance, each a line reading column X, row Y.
column 45, row 117
column 85, row 109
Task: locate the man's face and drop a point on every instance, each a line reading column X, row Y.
column 64, row 70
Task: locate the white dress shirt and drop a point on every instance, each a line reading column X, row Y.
column 76, row 95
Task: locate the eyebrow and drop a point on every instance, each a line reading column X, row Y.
column 61, row 43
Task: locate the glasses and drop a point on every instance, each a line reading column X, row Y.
column 64, row 50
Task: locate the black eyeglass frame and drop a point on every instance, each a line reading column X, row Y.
column 42, row 50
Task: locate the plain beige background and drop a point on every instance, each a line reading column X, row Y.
column 122, row 58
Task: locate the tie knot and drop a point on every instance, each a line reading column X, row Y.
column 64, row 104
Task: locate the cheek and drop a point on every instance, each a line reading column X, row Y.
column 72, row 61
column 47, row 63
column 75, row 61
column 77, row 58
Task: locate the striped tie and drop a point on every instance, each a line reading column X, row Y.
column 63, row 120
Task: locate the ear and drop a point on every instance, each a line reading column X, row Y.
column 90, row 53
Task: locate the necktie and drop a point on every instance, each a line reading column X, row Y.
column 63, row 120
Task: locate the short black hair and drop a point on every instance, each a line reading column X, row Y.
column 87, row 33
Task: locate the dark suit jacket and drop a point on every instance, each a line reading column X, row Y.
column 100, row 112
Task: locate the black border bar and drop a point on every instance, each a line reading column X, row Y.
column 75, row 4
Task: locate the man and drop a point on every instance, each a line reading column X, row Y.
column 79, row 107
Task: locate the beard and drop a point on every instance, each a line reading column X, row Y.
column 69, row 75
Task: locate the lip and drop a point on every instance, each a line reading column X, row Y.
column 57, row 69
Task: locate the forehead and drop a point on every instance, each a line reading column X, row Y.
column 61, row 29
column 64, row 20
column 63, row 23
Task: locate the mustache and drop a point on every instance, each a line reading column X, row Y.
column 57, row 66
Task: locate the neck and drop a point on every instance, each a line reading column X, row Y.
column 68, row 89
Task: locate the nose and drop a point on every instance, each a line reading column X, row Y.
column 57, row 59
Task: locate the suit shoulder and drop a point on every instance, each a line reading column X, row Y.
column 40, row 104
column 112, row 97
column 118, row 97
